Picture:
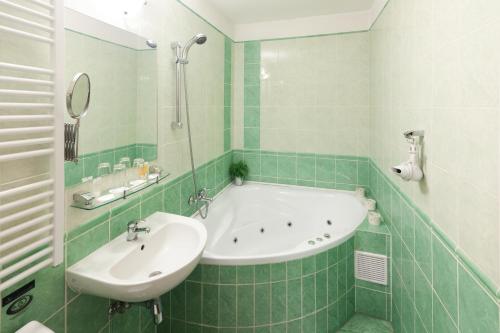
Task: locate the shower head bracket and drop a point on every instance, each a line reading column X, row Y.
column 176, row 125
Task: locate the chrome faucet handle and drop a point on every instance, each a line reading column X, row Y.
column 204, row 191
column 133, row 229
column 145, row 229
column 133, row 224
column 203, row 194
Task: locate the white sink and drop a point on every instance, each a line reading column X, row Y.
column 142, row 269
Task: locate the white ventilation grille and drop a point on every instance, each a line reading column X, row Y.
column 371, row 267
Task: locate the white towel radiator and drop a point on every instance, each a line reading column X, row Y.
column 31, row 138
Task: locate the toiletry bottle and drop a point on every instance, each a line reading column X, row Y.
column 145, row 170
column 139, row 167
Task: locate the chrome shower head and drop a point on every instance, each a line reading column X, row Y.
column 198, row 39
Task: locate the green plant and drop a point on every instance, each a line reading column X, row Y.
column 238, row 169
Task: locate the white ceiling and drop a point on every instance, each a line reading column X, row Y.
column 251, row 11
column 244, row 20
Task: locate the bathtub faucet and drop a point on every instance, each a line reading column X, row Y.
column 201, row 196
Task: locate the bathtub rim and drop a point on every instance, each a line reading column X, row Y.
column 208, row 258
column 274, row 258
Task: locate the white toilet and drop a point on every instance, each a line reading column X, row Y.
column 34, row 327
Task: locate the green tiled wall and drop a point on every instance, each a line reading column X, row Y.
column 314, row 294
column 228, row 91
column 434, row 288
column 55, row 305
column 87, row 166
column 326, row 171
column 373, row 299
column 251, row 96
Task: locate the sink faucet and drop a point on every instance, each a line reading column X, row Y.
column 133, row 229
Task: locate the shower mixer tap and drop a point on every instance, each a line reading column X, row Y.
column 201, row 196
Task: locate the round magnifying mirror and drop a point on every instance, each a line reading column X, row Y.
column 78, row 96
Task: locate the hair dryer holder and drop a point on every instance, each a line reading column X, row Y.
column 411, row 170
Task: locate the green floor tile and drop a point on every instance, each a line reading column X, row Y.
column 364, row 324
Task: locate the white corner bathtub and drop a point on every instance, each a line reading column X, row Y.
column 262, row 224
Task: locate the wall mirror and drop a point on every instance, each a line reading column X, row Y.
column 117, row 139
column 121, row 122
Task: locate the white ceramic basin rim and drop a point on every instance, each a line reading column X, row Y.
column 146, row 268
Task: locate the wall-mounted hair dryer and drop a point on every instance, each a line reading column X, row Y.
column 410, row 170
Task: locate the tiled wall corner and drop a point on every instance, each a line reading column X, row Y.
column 304, row 295
column 228, row 92
column 434, row 288
column 315, row 94
column 251, row 95
column 290, row 104
column 374, row 299
column 238, row 109
column 314, row 170
column 443, row 77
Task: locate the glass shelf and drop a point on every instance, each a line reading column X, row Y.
column 87, row 201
